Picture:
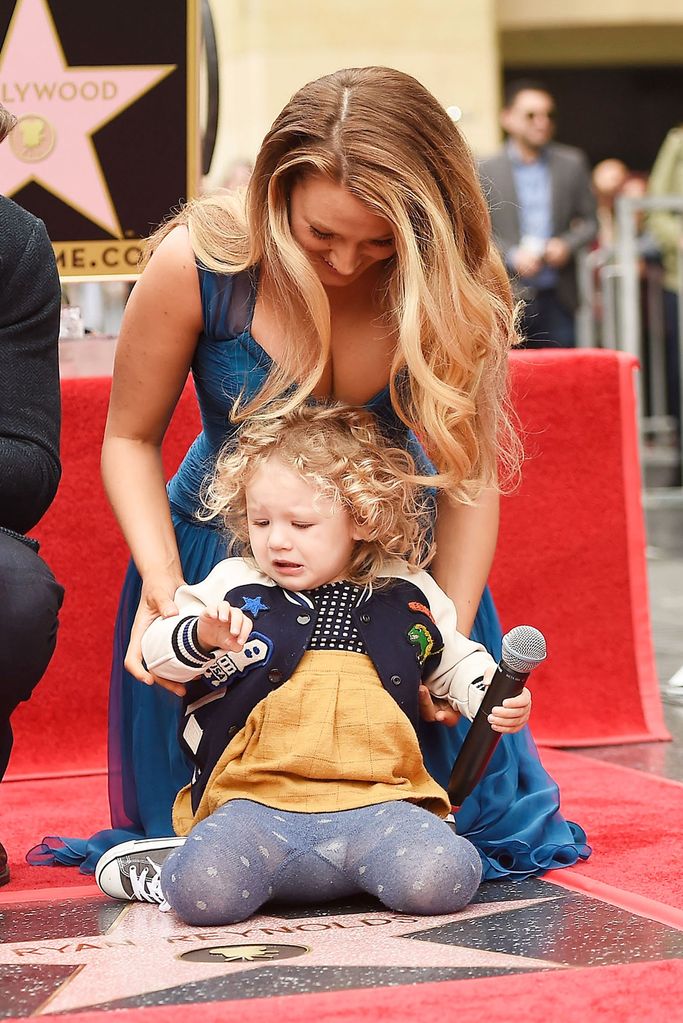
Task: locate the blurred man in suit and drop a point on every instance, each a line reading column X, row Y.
column 29, row 455
column 543, row 212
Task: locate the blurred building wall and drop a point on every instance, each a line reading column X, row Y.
column 270, row 48
column 583, row 32
column 539, row 13
column 459, row 49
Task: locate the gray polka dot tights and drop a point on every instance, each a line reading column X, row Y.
column 246, row 854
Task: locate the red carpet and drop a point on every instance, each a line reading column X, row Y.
column 629, row 994
column 570, row 560
column 29, row 810
column 633, row 823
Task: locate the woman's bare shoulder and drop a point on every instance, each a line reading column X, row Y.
column 159, row 333
column 169, row 283
column 173, row 254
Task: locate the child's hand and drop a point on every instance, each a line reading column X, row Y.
column 432, row 709
column 513, row 714
column 223, row 628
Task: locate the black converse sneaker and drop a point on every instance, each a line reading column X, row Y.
column 132, row 870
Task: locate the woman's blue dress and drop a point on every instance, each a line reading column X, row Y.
column 512, row 816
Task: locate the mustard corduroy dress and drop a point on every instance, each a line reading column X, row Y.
column 330, row 738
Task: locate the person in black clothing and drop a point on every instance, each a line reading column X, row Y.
column 29, row 455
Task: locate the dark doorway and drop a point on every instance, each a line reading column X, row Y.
column 623, row 112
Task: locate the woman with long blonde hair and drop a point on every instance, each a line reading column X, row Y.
column 359, row 267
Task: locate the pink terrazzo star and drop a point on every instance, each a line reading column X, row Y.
column 141, row 953
column 59, row 109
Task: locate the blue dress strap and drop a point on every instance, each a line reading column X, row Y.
column 227, row 301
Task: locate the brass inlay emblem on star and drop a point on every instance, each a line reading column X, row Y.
column 32, row 139
column 244, row 953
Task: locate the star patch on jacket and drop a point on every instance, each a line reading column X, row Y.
column 253, row 606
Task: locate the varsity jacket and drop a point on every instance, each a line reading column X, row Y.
column 408, row 625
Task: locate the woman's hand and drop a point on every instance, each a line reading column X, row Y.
column 156, row 600
column 513, row 714
column 223, row 628
column 436, row 710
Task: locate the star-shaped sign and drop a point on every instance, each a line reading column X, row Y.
column 253, row 605
column 146, row 951
column 59, row 109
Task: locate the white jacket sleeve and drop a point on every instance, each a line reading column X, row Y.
column 464, row 663
column 169, row 645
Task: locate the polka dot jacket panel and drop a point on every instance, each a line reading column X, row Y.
column 334, row 627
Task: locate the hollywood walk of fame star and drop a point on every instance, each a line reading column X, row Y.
column 141, row 952
column 65, row 106
column 253, row 605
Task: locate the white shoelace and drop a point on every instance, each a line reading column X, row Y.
column 147, row 885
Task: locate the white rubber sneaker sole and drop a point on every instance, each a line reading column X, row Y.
column 108, row 870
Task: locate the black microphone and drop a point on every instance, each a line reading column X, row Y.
column 523, row 649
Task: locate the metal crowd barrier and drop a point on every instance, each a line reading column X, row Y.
column 621, row 306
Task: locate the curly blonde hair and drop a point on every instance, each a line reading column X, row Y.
column 380, row 134
column 340, row 453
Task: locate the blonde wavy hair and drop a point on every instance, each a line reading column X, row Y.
column 340, row 453
column 380, row 134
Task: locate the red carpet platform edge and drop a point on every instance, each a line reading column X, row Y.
column 23, row 897
column 635, row 532
column 646, row 673
column 571, row 556
column 574, row 880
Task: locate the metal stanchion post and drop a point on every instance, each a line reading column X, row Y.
column 586, row 263
column 629, row 339
column 655, row 334
column 609, row 275
column 680, row 350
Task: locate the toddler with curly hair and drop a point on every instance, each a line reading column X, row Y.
column 299, row 662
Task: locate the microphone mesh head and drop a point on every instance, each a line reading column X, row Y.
column 523, row 648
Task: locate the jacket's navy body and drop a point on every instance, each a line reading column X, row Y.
column 281, row 636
